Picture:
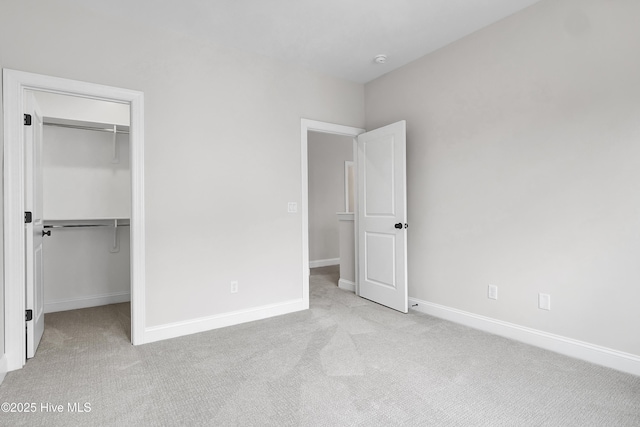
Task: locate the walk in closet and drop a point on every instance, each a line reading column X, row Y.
column 86, row 202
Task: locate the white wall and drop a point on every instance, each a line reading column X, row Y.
column 327, row 154
column 524, row 169
column 222, row 150
column 81, row 271
column 80, row 179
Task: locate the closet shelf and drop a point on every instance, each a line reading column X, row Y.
column 113, row 129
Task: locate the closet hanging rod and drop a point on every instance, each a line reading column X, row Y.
column 110, row 130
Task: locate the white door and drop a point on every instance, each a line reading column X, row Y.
column 34, row 290
column 382, row 216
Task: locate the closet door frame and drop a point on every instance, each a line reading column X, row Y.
column 15, row 83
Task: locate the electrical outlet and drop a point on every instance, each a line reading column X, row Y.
column 492, row 293
column 292, row 207
column 234, row 287
column 544, row 301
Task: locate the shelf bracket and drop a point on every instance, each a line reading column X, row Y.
column 116, row 243
column 116, row 157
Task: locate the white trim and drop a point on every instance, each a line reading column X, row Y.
column 14, row 85
column 203, row 324
column 86, row 302
column 137, row 230
column 599, row 355
column 3, row 367
column 307, row 125
column 347, row 285
column 324, row 262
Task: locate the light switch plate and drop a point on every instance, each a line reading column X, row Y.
column 544, row 301
column 492, row 292
column 292, row 207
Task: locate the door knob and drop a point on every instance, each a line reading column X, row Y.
column 46, row 233
column 398, row 226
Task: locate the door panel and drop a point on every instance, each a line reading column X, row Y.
column 378, row 177
column 382, row 203
column 380, row 259
column 34, row 285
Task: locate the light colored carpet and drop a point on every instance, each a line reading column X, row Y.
column 346, row 361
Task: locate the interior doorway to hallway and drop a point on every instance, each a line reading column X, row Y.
column 331, row 205
column 380, row 211
column 321, row 130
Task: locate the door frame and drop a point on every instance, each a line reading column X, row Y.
column 14, row 85
column 307, row 125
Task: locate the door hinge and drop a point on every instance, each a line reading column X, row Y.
column 28, row 217
column 28, row 315
column 27, row 119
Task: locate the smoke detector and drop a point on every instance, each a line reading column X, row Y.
column 380, row 59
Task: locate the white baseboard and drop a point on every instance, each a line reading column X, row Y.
column 178, row 329
column 86, row 302
column 603, row 356
column 324, row 262
column 3, row 367
column 347, row 285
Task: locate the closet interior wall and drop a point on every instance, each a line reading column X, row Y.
column 87, row 205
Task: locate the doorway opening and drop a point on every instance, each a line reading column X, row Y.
column 380, row 213
column 16, row 86
column 323, row 129
column 331, row 206
column 85, row 206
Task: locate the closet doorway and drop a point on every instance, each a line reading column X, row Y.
column 86, row 203
column 115, row 214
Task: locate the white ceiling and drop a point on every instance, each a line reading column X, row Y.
column 337, row 37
